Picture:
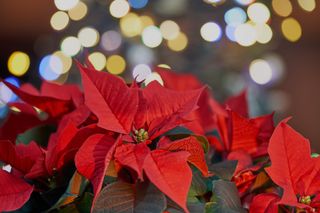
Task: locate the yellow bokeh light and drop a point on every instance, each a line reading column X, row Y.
column 98, row 60
column 146, row 21
column 78, row 12
column 119, row 8
column 66, row 62
column 307, row 5
column 164, row 66
column 264, row 33
column 116, row 64
column 18, row 63
column 59, row 20
column 291, row 29
column 169, row 29
column 258, row 13
column 179, row 43
column 245, row 35
column 88, row 37
column 282, row 7
column 131, row 25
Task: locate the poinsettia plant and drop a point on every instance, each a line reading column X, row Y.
column 154, row 146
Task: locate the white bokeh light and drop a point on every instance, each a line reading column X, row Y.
column 141, row 72
column 260, row 71
column 210, row 31
column 245, row 35
column 151, row 36
column 70, row 46
column 88, row 36
column 65, row 4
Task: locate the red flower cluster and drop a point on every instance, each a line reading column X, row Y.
column 120, row 147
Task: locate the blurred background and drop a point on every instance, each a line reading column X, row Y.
column 272, row 48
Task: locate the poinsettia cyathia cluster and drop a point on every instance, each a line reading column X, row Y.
column 137, row 147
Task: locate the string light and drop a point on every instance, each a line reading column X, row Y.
column 153, row 77
column 66, row 62
column 111, row 40
column 307, row 5
column 138, row 4
column 141, row 72
column 65, row 4
column 245, row 35
column 59, row 20
column 235, row 16
column 6, row 95
column 131, row 25
column 263, row 32
column 49, row 67
column 244, row 2
column 18, row 63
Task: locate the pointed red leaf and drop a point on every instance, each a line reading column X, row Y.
column 239, row 104
column 132, row 156
column 93, row 158
column 191, row 145
column 110, row 99
column 21, row 157
column 169, row 171
column 243, row 158
column 265, row 203
column 14, row 192
column 290, row 161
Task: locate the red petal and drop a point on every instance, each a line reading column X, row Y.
column 265, row 203
column 191, row 145
column 14, row 192
column 290, row 161
column 133, row 156
column 93, row 158
column 243, row 158
column 239, row 104
column 109, row 98
column 170, row 172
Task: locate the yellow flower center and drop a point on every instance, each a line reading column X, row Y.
column 141, row 135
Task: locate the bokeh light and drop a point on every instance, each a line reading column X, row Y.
column 153, row 77
column 49, row 67
column 78, row 12
column 282, row 7
column 116, row 64
column 244, row 2
column 59, row 20
column 98, row 60
column 141, row 72
column 230, row 32
column 210, row 31
column 291, row 29
column 258, row 13
column 65, row 4
column 130, row 25
column 119, row 8
column 18, row 63
column 169, row 29
column 179, row 43
column 137, row 4
column 245, row 35
column 88, row 36
column 264, row 33
column 151, row 36
column 140, row 54
column 146, row 21
column 307, row 5
column 164, row 66
column 260, row 71
column 6, row 95
column 235, row 16
column 70, row 46
column 111, row 40
column 66, row 62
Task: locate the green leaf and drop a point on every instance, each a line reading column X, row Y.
column 226, row 198
column 39, row 134
column 117, row 197
column 193, row 205
column 149, row 199
column 224, row 170
column 85, row 203
column 76, row 187
column 198, row 185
